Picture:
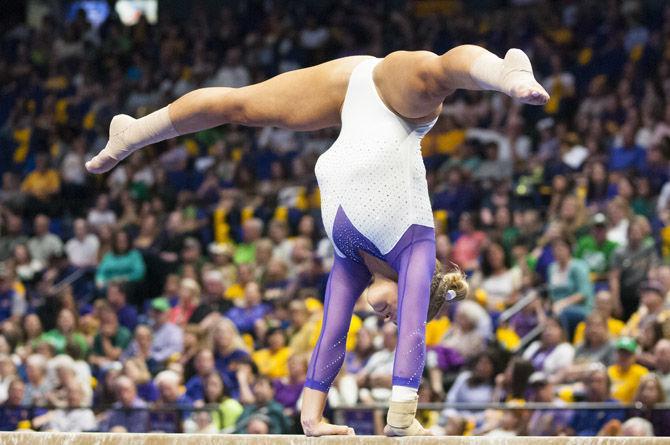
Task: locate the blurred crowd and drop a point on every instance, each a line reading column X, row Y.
column 192, row 275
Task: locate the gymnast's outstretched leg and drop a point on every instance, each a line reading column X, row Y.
column 412, row 83
column 346, row 282
column 414, row 260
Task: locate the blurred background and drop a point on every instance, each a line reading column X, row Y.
column 182, row 292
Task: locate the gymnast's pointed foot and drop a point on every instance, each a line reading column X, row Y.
column 512, row 75
column 116, row 147
column 126, row 135
column 517, row 76
column 316, row 429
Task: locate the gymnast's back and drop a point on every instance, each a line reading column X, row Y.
column 374, row 171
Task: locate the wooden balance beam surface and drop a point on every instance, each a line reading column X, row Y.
column 32, row 438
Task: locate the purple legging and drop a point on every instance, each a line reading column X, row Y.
column 413, row 257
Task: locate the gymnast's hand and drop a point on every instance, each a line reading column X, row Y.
column 321, row 428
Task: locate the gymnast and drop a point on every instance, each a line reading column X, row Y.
column 374, row 196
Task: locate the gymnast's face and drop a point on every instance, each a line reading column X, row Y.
column 382, row 295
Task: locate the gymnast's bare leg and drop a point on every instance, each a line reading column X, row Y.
column 414, row 84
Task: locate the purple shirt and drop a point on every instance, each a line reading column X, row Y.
column 287, row 393
column 127, row 316
column 134, row 421
column 168, row 339
column 244, row 318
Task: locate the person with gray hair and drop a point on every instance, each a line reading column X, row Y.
column 129, row 411
column 252, row 231
column 37, row 386
column 662, row 356
column 638, row 427
column 169, row 396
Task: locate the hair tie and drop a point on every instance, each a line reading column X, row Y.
column 451, row 294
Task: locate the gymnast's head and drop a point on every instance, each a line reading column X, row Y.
column 382, row 293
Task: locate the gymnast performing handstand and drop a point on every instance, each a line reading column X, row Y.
column 374, row 196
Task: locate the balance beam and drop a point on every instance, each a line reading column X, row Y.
column 38, row 438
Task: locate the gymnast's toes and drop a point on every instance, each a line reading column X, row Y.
column 532, row 94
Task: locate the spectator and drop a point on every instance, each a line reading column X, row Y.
column 468, row 243
column 272, row 360
column 630, row 266
column 500, row 283
column 512, row 384
column 229, row 408
column 167, row 337
column 604, row 306
column 252, row 230
column 569, row 286
column 549, row 422
column 229, row 349
column 625, row 374
column 128, row 412
column 649, row 394
column 189, row 305
column 289, row 389
column 652, row 299
column 13, row 303
column 597, row 250
column 66, row 330
column 122, row 263
column 204, row 366
column 43, row 245
column 70, row 420
column 596, row 348
column 111, row 340
column 629, row 156
column 14, row 412
column 375, row 377
column 253, row 310
column 303, row 328
column 101, row 215
column 11, row 235
column 42, row 185
column 7, row 375
column 264, row 404
column 662, row 356
column 587, row 422
column 170, row 395
column 474, row 384
column 37, row 386
column 551, row 353
column 82, row 250
column 465, row 337
column 117, row 297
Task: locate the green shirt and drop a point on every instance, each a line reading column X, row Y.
column 229, row 411
column 56, row 338
column 574, row 279
column 598, row 257
column 120, row 340
column 245, row 253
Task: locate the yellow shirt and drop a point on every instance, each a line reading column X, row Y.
column 234, row 292
column 272, row 365
column 436, row 329
column 614, row 327
column 41, row 184
column 624, row 384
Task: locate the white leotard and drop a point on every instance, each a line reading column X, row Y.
column 374, row 170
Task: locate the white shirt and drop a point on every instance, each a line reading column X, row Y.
column 83, row 253
column 98, row 218
column 559, row 358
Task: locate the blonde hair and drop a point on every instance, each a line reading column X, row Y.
column 440, row 286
